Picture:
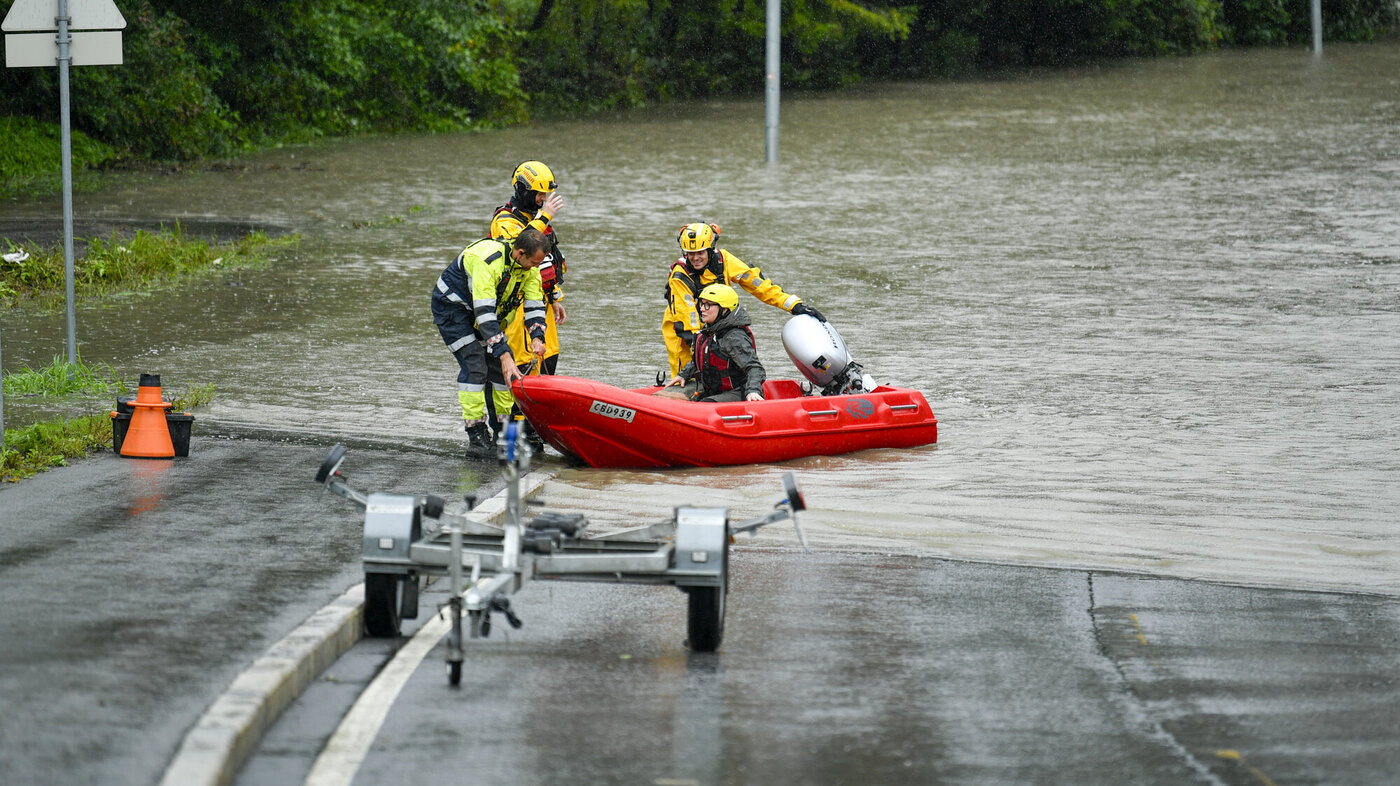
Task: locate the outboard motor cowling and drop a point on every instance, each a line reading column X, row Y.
column 819, row 353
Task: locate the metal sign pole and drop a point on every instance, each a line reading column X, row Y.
column 773, row 38
column 1317, row 26
column 66, row 135
column 2, row 406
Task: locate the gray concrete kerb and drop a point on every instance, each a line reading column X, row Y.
column 229, row 731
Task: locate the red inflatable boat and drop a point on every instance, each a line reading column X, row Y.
column 611, row 427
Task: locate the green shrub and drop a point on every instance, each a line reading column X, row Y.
column 31, row 156
column 1253, row 22
column 592, row 55
column 1158, row 27
column 160, row 103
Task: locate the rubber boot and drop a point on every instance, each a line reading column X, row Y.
column 480, row 444
column 533, row 439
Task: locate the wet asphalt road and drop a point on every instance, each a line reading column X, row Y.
column 868, row 669
column 133, row 592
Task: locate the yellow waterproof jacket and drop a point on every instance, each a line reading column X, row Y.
column 484, row 281
column 509, row 222
column 682, row 319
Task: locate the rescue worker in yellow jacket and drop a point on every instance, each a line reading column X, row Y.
column 477, row 293
column 534, row 204
column 700, row 265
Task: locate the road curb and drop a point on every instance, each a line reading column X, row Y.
column 221, row 741
column 230, row 729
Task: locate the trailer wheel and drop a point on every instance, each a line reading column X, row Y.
column 383, row 603
column 705, row 620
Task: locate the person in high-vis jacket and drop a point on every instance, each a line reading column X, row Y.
column 702, row 264
column 479, row 291
column 725, row 365
column 533, row 205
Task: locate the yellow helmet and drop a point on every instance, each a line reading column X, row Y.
column 721, row 295
column 698, row 236
column 534, row 176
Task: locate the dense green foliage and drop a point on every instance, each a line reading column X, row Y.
column 207, row 78
column 30, row 157
column 146, row 261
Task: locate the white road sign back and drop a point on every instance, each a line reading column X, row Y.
column 94, row 29
column 38, row 16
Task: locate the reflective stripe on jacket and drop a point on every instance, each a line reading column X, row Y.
column 479, row 280
column 684, row 286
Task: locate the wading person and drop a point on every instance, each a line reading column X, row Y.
column 700, row 265
column 725, row 364
column 534, row 203
column 477, row 294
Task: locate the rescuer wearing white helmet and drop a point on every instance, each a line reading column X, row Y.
column 702, row 264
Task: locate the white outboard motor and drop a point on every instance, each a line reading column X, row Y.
column 819, row 353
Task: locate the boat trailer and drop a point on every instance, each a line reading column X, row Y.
column 486, row 563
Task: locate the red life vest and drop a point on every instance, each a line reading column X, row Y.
column 717, row 373
column 552, row 272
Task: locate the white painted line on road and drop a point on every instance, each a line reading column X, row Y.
column 223, row 738
column 345, row 751
column 348, row 746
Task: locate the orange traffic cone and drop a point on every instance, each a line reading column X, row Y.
column 148, row 436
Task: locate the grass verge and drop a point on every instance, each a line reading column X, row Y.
column 61, row 378
column 52, row 442
column 34, row 274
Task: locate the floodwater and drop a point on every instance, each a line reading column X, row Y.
column 1155, row 304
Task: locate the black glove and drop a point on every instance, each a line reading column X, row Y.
column 802, row 308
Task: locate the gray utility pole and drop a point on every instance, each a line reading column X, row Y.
column 28, row 45
column 2, row 407
column 66, row 143
column 1317, row 26
column 773, row 37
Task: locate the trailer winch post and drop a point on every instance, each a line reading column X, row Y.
column 516, row 458
column 455, row 655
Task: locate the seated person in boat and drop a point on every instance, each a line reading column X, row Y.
column 703, row 264
column 725, row 364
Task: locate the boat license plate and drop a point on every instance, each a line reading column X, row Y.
column 612, row 411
